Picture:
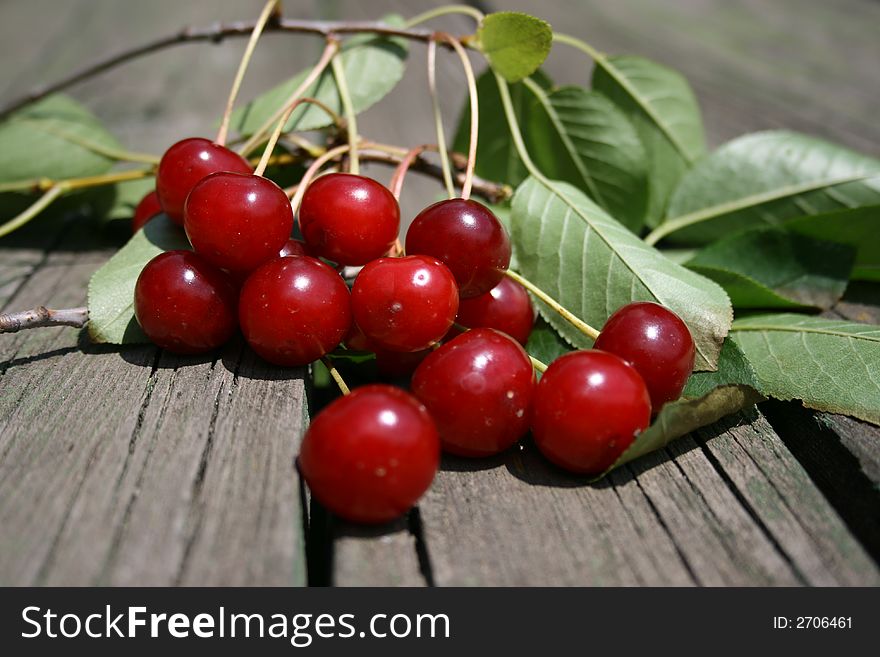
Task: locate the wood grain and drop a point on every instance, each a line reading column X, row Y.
column 131, row 466
column 136, row 467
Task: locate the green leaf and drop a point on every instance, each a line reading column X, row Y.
column 663, row 108
column 544, row 343
column 515, row 44
column 126, row 197
column 592, row 265
column 587, row 141
column 733, row 369
column 111, row 289
column 54, row 138
column 857, row 228
column 830, row 365
column 769, row 267
column 685, row 415
column 572, row 134
column 497, row 158
column 768, row 178
column 373, row 66
column 707, row 397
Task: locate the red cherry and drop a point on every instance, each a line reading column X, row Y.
column 356, row 340
column 293, row 247
column 404, row 304
column 588, row 408
column 467, row 238
column 398, row 364
column 506, row 307
column 185, row 304
column 478, row 388
column 146, row 209
column 293, row 310
column 369, row 456
column 185, row 164
column 349, row 219
column 237, row 221
column 390, row 364
column 656, row 342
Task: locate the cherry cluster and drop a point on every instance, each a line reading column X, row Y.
column 444, row 313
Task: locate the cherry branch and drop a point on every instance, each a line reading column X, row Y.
column 491, row 191
column 215, row 34
column 41, row 316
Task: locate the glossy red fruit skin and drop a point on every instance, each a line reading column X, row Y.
column 349, row 219
column 185, row 164
column 656, row 342
column 293, row 310
column 467, row 238
column 369, row 456
column 399, row 364
column 185, row 304
column 356, row 340
column 146, row 209
column 237, row 221
column 404, row 304
column 478, row 387
column 294, row 247
column 506, row 307
column 588, row 408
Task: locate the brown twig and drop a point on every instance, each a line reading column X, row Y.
column 214, row 34
column 491, row 191
column 42, row 316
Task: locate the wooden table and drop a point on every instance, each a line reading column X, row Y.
column 133, row 466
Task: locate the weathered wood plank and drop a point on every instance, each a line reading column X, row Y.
column 840, row 453
column 725, row 511
column 383, row 556
column 781, row 497
column 131, row 466
column 184, row 474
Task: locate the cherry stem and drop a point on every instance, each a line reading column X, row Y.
column 438, row 119
column 475, row 112
column 260, row 134
column 311, row 171
column 396, row 185
column 601, row 61
column 42, row 316
column 492, row 191
column 348, row 110
column 563, row 312
column 273, row 139
column 36, row 208
column 537, row 364
column 337, row 377
column 270, row 7
column 475, row 13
